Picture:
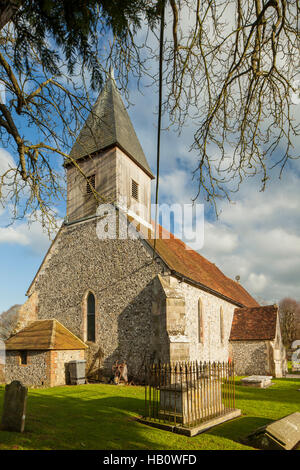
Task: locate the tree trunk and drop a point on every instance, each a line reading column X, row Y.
column 7, row 11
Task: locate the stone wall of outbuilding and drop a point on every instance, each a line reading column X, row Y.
column 263, row 357
column 2, row 373
column 251, row 357
column 43, row 368
column 59, row 365
column 36, row 373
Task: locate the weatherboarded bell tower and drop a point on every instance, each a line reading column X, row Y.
column 111, row 157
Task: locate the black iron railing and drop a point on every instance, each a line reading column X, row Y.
column 189, row 393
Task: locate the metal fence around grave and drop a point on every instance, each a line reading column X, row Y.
column 189, row 393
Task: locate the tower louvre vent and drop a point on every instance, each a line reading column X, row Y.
column 89, row 183
column 134, row 190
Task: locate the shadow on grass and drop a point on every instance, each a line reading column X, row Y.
column 104, row 417
column 76, row 418
column 238, row 429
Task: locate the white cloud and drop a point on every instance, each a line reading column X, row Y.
column 258, row 239
column 220, row 241
column 13, row 235
column 28, row 234
column 257, row 282
column 174, row 187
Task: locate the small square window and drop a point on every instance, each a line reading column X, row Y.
column 23, row 358
column 91, row 182
column 134, row 190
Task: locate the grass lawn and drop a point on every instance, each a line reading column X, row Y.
column 103, row 417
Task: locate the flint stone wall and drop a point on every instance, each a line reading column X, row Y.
column 120, row 273
column 33, row 374
column 2, row 373
column 250, row 357
column 43, row 368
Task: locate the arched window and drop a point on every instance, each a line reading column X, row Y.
column 91, row 333
column 221, row 325
column 200, row 322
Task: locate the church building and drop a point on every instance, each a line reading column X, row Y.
column 115, row 298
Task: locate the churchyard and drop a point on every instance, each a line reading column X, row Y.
column 105, row 417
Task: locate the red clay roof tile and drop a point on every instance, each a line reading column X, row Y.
column 190, row 264
column 258, row 323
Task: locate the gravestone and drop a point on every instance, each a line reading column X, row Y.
column 258, row 381
column 283, row 434
column 14, row 408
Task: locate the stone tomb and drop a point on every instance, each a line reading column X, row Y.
column 283, row 434
column 14, row 408
column 184, row 403
column 258, row 381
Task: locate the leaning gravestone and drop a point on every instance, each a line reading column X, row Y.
column 283, row 434
column 14, row 408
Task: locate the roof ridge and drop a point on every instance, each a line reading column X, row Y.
column 113, row 84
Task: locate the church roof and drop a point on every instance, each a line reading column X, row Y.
column 44, row 335
column 109, row 124
column 194, row 267
column 258, row 323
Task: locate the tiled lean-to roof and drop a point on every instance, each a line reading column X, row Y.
column 258, row 323
column 194, row 267
column 109, row 124
column 44, row 335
